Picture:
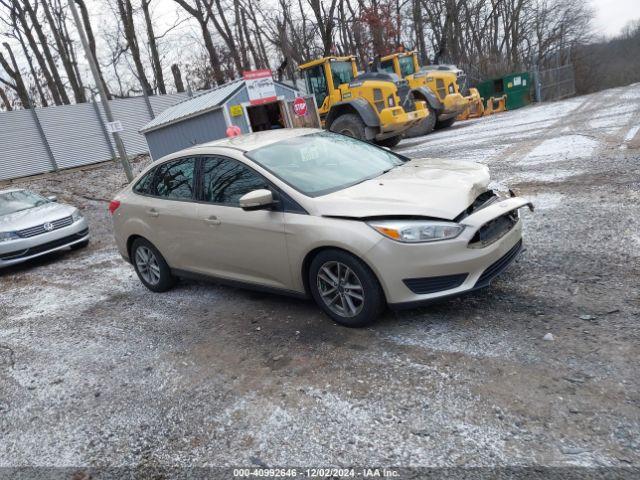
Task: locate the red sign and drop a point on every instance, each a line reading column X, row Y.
column 300, row 106
column 260, row 86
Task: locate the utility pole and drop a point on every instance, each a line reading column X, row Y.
column 103, row 96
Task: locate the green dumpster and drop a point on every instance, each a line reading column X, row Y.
column 515, row 85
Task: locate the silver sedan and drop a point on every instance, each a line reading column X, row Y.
column 32, row 225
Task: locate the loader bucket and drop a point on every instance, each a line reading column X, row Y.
column 500, row 105
column 475, row 106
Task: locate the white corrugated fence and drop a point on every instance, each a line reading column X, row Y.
column 47, row 139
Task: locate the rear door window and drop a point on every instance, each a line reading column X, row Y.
column 174, row 179
column 144, row 184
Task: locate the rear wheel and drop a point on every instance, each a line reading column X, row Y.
column 445, row 123
column 151, row 267
column 390, row 142
column 351, row 125
column 425, row 127
column 345, row 288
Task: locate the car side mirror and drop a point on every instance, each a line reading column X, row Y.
column 257, row 200
column 52, row 198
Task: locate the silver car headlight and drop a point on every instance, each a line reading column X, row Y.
column 76, row 216
column 417, row 231
column 6, row 236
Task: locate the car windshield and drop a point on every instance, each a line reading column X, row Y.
column 17, row 200
column 406, row 65
column 324, row 162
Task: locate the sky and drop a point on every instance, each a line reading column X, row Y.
column 613, row 15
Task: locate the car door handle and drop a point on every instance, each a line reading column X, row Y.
column 213, row 220
column 152, row 212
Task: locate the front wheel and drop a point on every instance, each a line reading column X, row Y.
column 345, row 288
column 389, row 142
column 351, row 125
column 425, row 127
column 151, row 267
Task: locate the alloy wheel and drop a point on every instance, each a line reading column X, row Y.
column 147, row 264
column 340, row 289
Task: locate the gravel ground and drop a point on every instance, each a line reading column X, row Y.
column 95, row 370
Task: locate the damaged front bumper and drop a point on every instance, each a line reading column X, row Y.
column 423, row 272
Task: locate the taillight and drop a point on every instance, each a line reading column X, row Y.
column 113, row 206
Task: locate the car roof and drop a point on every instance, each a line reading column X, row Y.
column 253, row 141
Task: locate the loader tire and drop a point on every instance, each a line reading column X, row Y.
column 351, row 125
column 389, row 142
column 425, row 127
column 445, row 123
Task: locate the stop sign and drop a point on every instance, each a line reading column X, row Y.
column 300, row 106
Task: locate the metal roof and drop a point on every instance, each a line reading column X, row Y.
column 204, row 102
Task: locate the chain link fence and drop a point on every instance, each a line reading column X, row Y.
column 554, row 83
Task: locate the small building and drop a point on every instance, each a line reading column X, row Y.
column 206, row 116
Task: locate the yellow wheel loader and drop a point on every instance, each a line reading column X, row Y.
column 375, row 106
column 437, row 87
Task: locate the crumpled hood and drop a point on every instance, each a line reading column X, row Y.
column 32, row 217
column 422, row 187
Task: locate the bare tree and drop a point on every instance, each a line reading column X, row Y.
column 201, row 16
column 63, row 43
column 18, row 85
column 86, row 21
column 153, row 47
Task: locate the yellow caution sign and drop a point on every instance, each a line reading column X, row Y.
column 236, row 110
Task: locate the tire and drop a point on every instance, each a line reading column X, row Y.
column 425, row 127
column 78, row 246
column 445, row 123
column 156, row 278
column 346, row 308
column 389, row 142
column 351, row 125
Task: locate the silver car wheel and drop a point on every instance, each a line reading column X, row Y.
column 147, row 264
column 340, row 289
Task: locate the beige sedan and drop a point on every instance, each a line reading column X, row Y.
column 307, row 212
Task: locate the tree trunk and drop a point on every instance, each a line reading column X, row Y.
column 254, row 53
column 225, row 32
column 51, row 84
column 202, row 19
column 126, row 16
column 153, row 46
column 177, row 77
column 36, row 80
column 44, row 45
column 7, row 103
column 418, row 23
column 14, row 72
column 86, row 21
column 63, row 52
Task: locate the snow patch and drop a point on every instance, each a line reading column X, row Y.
column 567, row 147
column 548, row 176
